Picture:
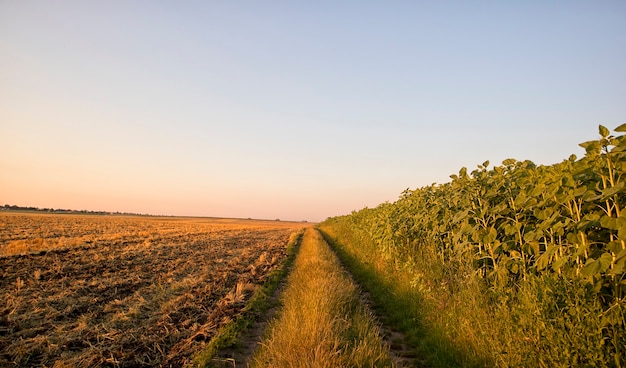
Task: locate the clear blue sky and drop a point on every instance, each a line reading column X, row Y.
column 291, row 109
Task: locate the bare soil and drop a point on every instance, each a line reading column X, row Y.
column 82, row 291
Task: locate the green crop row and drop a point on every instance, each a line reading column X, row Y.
column 519, row 224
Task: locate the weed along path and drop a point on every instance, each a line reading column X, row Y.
column 323, row 322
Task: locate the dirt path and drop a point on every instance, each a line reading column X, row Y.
column 401, row 355
column 322, row 322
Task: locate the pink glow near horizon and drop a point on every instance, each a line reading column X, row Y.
column 297, row 111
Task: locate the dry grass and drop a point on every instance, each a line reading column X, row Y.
column 127, row 291
column 322, row 323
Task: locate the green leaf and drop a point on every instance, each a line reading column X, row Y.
column 543, row 261
column 606, row 193
column 591, row 196
column 605, row 261
column 580, row 191
column 591, row 146
column 609, row 222
column 490, row 237
column 591, row 268
column 580, row 250
column 620, row 144
column 509, row 162
column 596, row 266
column 530, row 236
column 533, row 247
column 621, row 227
column 620, row 263
column 559, row 263
column 615, row 246
column 572, row 238
column 621, row 128
column 460, row 216
column 552, row 249
column 537, row 190
column 502, row 276
column 590, row 220
column 477, row 236
column 509, row 229
column 496, row 246
column 604, row 132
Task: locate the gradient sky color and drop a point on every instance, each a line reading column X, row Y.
column 290, row 109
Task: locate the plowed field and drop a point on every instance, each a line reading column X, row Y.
column 82, row 291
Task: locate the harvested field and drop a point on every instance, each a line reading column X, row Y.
column 120, row 291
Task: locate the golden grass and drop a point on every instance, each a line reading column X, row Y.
column 322, row 322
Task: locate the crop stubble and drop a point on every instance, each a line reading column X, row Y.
column 125, row 291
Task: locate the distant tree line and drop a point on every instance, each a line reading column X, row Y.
column 8, row 207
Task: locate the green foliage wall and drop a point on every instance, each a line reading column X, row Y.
column 519, row 224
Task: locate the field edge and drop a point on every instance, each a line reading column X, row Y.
column 229, row 336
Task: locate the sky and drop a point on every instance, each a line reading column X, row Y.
column 292, row 110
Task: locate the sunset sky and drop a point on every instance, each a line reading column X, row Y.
column 291, row 109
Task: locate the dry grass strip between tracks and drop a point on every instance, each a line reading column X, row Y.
column 323, row 322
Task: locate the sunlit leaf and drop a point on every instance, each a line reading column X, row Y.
column 559, row 263
column 509, row 162
column 605, row 261
column 609, row 222
column 614, row 246
column 613, row 190
column 604, row 132
column 580, row 251
column 460, row 216
column 596, row 266
column 591, row 147
column 621, row 128
column 543, row 262
column 591, row 268
column 533, row 247
column 490, row 237
column 618, row 269
column 579, row 191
